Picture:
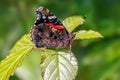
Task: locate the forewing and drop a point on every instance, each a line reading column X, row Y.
column 48, row 31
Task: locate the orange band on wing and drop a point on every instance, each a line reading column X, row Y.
column 59, row 27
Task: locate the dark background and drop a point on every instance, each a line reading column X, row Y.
column 99, row 59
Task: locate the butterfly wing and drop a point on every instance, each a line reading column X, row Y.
column 48, row 31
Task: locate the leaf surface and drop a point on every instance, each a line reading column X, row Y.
column 60, row 65
column 83, row 34
column 72, row 22
column 21, row 49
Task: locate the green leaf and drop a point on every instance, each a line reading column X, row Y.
column 72, row 22
column 83, row 34
column 61, row 65
column 21, row 49
column 30, row 67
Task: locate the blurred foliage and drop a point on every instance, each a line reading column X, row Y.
column 98, row 59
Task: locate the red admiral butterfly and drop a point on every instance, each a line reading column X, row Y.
column 49, row 32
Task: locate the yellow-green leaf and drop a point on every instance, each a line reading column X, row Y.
column 72, row 22
column 83, row 34
column 30, row 67
column 21, row 49
column 61, row 65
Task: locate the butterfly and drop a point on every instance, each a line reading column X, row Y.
column 49, row 32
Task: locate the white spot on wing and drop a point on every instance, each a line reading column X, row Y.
column 53, row 29
column 51, row 17
column 44, row 20
column 43, row 17
column 40, row 9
